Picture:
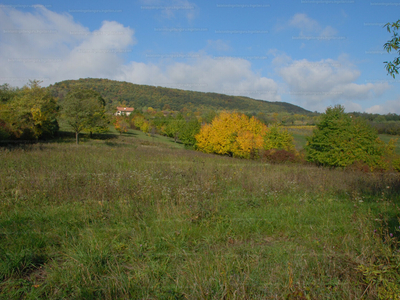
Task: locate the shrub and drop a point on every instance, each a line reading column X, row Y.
column 280, row 156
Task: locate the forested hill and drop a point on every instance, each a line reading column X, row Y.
column 138, row 96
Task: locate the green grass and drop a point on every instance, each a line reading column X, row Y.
column 131, row 136
column 129, row 217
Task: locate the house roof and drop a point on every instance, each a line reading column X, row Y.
column 120, row 108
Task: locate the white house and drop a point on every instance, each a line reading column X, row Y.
column 121, row 111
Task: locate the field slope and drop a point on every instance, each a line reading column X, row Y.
column 126, row 218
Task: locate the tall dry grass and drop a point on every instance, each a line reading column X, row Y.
column 137, row 220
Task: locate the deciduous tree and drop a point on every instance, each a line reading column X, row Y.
column 278, row 138
column 174, row 128
column 81, row 109
column 120, row 124
column 188, row 132
column 231, row 134
column 341, row 140
column 30, row 112
column 392, row 67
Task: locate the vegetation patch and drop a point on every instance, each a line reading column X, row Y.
column 101, row 220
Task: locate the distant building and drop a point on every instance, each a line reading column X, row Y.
column 124, row 111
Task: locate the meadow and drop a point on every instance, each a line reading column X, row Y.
column 138, row 217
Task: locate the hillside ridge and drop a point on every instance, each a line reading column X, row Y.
column 138, row 96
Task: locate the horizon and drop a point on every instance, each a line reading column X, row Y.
column 313, row 54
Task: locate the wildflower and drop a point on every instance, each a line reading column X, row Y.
column 391, row 235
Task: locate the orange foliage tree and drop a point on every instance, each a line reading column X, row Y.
column 120, row 124
column 232, row 134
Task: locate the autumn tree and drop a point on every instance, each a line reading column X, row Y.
column 145, row 127
column 231, row 134
column 138, row 121
column 120, row 124
column 29, row 113
column 83, row 110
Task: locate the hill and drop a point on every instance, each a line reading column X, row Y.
column 138, row 96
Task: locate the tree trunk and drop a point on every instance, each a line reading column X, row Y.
column 77, row 137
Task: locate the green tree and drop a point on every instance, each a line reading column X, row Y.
column 7, row 92
column 29, row 113
column 81, row 109
column 174, row 128
column 341, row 140
column 188, row 132
column 278, row 138
column 145, row 127
column 138, row 121
column 98, row 123
column 392, row 67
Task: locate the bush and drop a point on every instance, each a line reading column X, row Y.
column 280, row 156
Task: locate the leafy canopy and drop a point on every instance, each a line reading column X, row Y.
column 392, row 67
column 278, row 138
column 28, row 113
column 341, row 140
column 233, row 134
column 84, row 110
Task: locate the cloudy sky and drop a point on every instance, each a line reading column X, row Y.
column 312, row 53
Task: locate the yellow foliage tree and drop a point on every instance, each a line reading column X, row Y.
column 231, row 134
column 145, row 127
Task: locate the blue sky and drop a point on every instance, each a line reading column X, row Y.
column 312, row 53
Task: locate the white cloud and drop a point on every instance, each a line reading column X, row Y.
column 74, row 51
column 310, row 26
column 304, row 23
column 391, row 106
column 322, row 83
column 51, row 47
column 352, row 106
column 228, row 76
column 170, row 9
column 328, row 31
column 218, row 45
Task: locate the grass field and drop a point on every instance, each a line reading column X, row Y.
column 135, row 217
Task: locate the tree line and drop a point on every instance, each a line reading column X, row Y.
column 339, row 140
column 33, row 113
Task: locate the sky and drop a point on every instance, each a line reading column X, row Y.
column 311, row 53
